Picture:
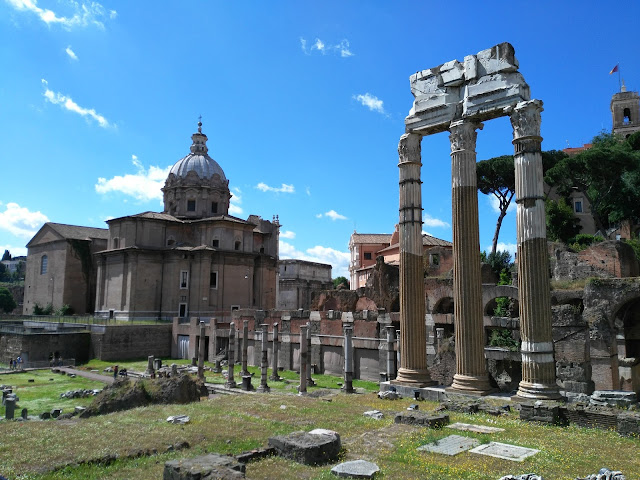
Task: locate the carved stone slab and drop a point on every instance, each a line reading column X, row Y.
column 505, row 451
column 468, row 427
column 451, row 445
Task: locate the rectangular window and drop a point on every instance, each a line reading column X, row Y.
column 235, row 307
column 184, row 279
column 577, row 206
column 367, row 255
column 214, row 207
column 191, row 205
column 182, row 310
column 213, row 280
column 237, row 245
column 215, row 243
column 44, row 263
column 435, row 259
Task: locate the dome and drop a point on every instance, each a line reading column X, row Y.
column 198, row 160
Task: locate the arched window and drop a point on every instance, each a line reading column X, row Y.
column 626, row 114
column 44, row 263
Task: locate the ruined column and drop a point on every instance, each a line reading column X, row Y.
column 264, row 388
column 471, row 372
column 413, row 332
column 245, row 348
column 310, row 381
column 150, row 368
column 538, row 364
column 201, row 345
column 348, row 359
column 231, row 383
column 274, row 355
column 214, row 343
column 391, row 354
column 302, row 389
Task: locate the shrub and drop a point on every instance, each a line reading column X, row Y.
column 64, row 310
column 7, row 303
column 582, row 241
column 502, row 307
column 38, row 310
column 501, row 337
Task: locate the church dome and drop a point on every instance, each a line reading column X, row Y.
column 198, row 160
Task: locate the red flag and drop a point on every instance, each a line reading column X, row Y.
column 614, row 69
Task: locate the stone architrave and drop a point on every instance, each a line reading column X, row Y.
column 348, row 359
column 264, row 388
column 413, row 331
column 245, row 348
column 274, row 355
column 303, row 359
column 201, row 350
column 231, row 383
column 471, row 372
column 538, row 364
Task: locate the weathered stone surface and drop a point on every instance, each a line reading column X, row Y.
column 356, row 469
column 206, row 467
column 526, row 476
column 308, row 448
column 422, row 419
column 540, row 413
column 451, row 445
column 605, row 474
column 467, row 427
column 614, row 398
column 628, row 424
column 505, row 451
column 375, row 414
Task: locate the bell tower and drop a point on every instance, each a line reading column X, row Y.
column 625, row 112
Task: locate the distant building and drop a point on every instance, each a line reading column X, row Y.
column 61, row 267
column 365, row 248
column 625, row 112
column 299, row 280
column 13, row 265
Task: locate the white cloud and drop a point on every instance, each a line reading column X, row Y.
column 288, row 234
column 512, row 248
column 372, row 102
column 342, row 48
column 68, row 104
column 235, row 202
column 144, row 185
column 432, row 222
column 263, row 187
column 332, row 214
column 20, row 221
column 338, row 260
column 308, row 191
column 80, row 14
column 71, row 53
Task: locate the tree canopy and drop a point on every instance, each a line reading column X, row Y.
column 6, row 255
column 7, row 303
column 340, row 281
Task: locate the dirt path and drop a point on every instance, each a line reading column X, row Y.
column 108, row 379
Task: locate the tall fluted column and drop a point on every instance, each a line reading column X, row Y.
column 413, row 332
column 471, row 372
column 538, row 364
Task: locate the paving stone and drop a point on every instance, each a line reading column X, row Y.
column 356, row 469
column 451, row 445
column 204, row 467
column 505, row 451
column 469, row 427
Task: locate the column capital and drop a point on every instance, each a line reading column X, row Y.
column 463, row 135
column 525, row 119
column 409, row 148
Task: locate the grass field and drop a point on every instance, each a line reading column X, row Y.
column 235, row 423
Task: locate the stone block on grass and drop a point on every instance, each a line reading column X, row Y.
column 206, row 467
column 356, row 469
column 309, row 448
column 422, row 419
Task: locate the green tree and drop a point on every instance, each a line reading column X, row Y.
column 340, row 281
column 562, row 224
column 500, row 263
column 7, row 303
column 6, row 255
column 5, row 276
column 607, row 174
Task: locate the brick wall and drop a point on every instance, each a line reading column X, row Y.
column 130, row 341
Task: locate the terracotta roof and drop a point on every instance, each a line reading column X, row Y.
column 427, row 240
column 574, row 150
column 371, row 237
column 79, row 233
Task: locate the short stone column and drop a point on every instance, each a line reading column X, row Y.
column 413, row 331
column 264, row 388
column 214, row 343
column 471, row 371
column 174, row 370
column 150, row 366
column 201, row 349
column 10, row 407
column 245, row 348
column 274, row 355
column 391, row 354
column 231, row 383
column 538, row 364
column 303, row 359
column 310, row 381
column 348, row 359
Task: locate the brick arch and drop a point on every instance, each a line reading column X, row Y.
column 491, row 292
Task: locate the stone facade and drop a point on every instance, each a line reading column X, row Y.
column 625, row 112
column 61, row 267
column 299, row 281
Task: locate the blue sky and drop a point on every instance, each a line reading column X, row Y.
column 303, row 104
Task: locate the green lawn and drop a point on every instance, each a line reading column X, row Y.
column 236, row 423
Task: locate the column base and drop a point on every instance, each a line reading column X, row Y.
column 537, row 391
column 470, row 385
column 413, row 378
column 263, row 389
